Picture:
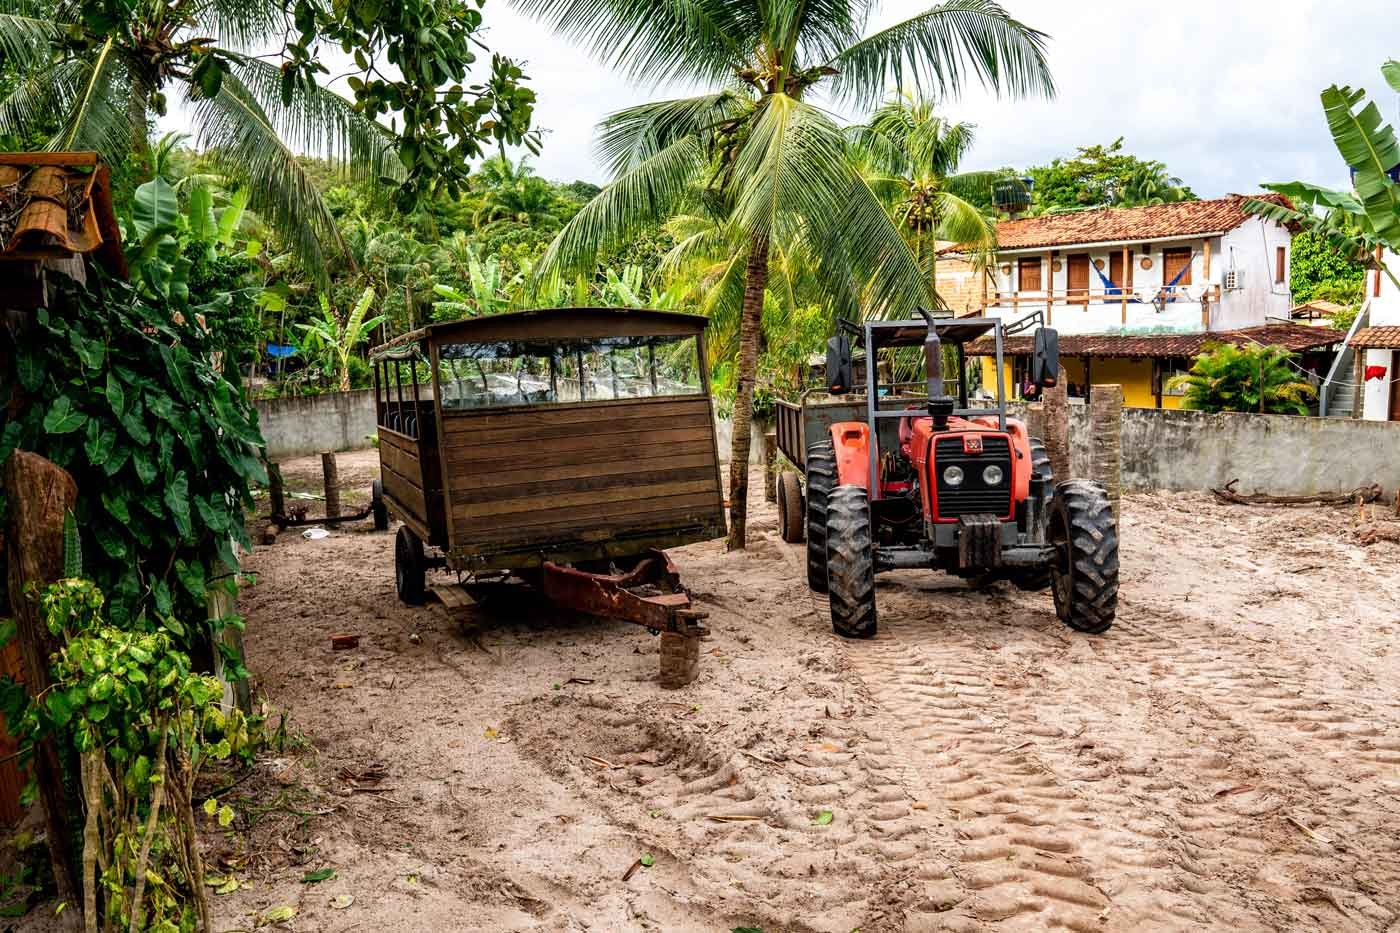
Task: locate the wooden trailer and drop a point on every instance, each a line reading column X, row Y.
column 566, row 446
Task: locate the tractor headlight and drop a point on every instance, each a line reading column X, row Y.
column 992, row 475
column 953, row 476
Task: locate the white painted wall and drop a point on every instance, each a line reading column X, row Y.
column 1251, row 247
column 1385, row 309
column 1375, row 396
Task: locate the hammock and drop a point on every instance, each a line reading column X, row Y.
column 1112, row 291
column 1169, row 290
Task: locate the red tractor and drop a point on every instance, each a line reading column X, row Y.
column 931, row 482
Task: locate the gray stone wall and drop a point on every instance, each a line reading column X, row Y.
column 305, row 425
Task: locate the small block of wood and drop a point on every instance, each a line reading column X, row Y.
column 453, row 596
column 680, row 659
column 344, row 641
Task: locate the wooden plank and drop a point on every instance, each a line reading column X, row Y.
column 460, row 421
column 504, row 482
column 617, row 489
column 48, row 158
column 594, row 522
column 556, row 446
column 511, row 457
column 404, row 490
column 401, row 462
column 476, row 557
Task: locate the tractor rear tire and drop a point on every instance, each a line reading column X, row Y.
column 377, row 507
column 821, row 480
column 410, row 567
column 1084, row 572
column 1034, row 581
column 790, row 507
column 850, row 562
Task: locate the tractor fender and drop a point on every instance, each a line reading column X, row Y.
column 851, row 441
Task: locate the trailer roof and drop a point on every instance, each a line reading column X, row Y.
column 913, row 333
column 547, row 323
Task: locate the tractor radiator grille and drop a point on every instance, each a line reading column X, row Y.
column 973, row 496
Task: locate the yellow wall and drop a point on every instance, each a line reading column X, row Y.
column 1135, row 376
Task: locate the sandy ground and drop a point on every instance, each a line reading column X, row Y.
column 1227, row 757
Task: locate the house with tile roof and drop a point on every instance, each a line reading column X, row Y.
column 1135, row 293
column 1373, row 379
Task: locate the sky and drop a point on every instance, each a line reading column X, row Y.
column 1225, row 93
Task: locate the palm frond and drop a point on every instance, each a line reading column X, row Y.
column 791, row 171
column 32, row 103
column 657, row 41
column 100, row 115
column 937, row 51
column 26, row 42
column 241, row 25
column 629, row 137
column 636, row 201
column 241, row 141
column 1372, row 150
column 872, row 255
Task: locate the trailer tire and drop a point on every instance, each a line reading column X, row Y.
column 410, row 567
column 790, row 507
column 377, row 507
column 1036, row 580
column 850, row 562
column 1084, row 572
column 821, row 479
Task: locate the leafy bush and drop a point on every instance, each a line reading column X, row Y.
column 1318, row 270
column 1252, row 378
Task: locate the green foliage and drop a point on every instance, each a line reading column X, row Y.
column 1250, row 378
column 162, row 445
column 1104, row 176
column 1318, row 270
column 142, row 723
column 334, row 337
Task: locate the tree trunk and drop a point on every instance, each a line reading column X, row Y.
column 1057, row 428
column 40, row 494
column 749, row 331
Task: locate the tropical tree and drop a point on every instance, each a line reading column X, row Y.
column 1252, row 378
column 1104, row 176
column 103, row 66
column 780, row 164
column 336, row 338
column 1360, row 222
column 913, row 156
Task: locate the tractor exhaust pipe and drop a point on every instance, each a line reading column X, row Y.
column 940, row 406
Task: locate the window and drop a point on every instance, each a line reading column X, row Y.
column 1280, row 264
column 1028, row 272
column 1122, row 282
column 479, row 375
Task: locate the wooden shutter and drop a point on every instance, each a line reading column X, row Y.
column 1280, row 264
column 1173, row 261
column 1115, row 271
column 1077, row 278
column 1028, row 275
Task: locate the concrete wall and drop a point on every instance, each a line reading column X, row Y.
column 1279, row 454
column 304, row 425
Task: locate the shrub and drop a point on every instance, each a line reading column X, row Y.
column 1251, row 378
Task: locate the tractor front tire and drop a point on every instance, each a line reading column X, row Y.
column 377, row 506
column 1084, row 572
column 410, row 567
column 790, row 507
column 1034, row 581
column 850, row 562
column 821, row 480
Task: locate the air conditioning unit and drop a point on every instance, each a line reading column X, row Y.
column 1233, row 280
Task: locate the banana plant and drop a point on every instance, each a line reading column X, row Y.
column 336, row 338
column 1358, row 221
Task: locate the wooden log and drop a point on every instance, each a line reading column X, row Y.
column 770, row 474
column 276, row 493
column 40, row 494
column 1106, row 429
column 331, row 477
column 1056, row 412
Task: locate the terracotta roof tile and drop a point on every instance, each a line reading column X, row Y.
column 57, row 204
column 1112, row 224
column 1295, row 337
column 1376, row 338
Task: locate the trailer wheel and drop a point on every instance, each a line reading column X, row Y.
column 377, row 506
column 821, row 479
column 1036, row 580
column 1084, row 572
column 410, row 567
column 850, row 562
column 790, row 507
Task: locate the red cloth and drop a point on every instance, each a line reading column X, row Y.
column 1375, row 372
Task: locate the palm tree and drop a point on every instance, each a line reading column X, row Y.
column 781, row 163
column 912, row 155
column 104, row 81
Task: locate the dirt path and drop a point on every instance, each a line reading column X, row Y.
column 1228, row 756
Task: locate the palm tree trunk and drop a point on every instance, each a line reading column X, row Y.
column 750, row 327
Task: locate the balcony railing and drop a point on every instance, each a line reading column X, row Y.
column 1159, row 299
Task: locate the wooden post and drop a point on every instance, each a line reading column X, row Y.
column 275, row 491
column 1205, row 261
column 1056, row 414
column 1106, row 428
column 770, row 458
column 331, row 477
column 1123, row 285
column 40, row 495
column 1048, row 280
